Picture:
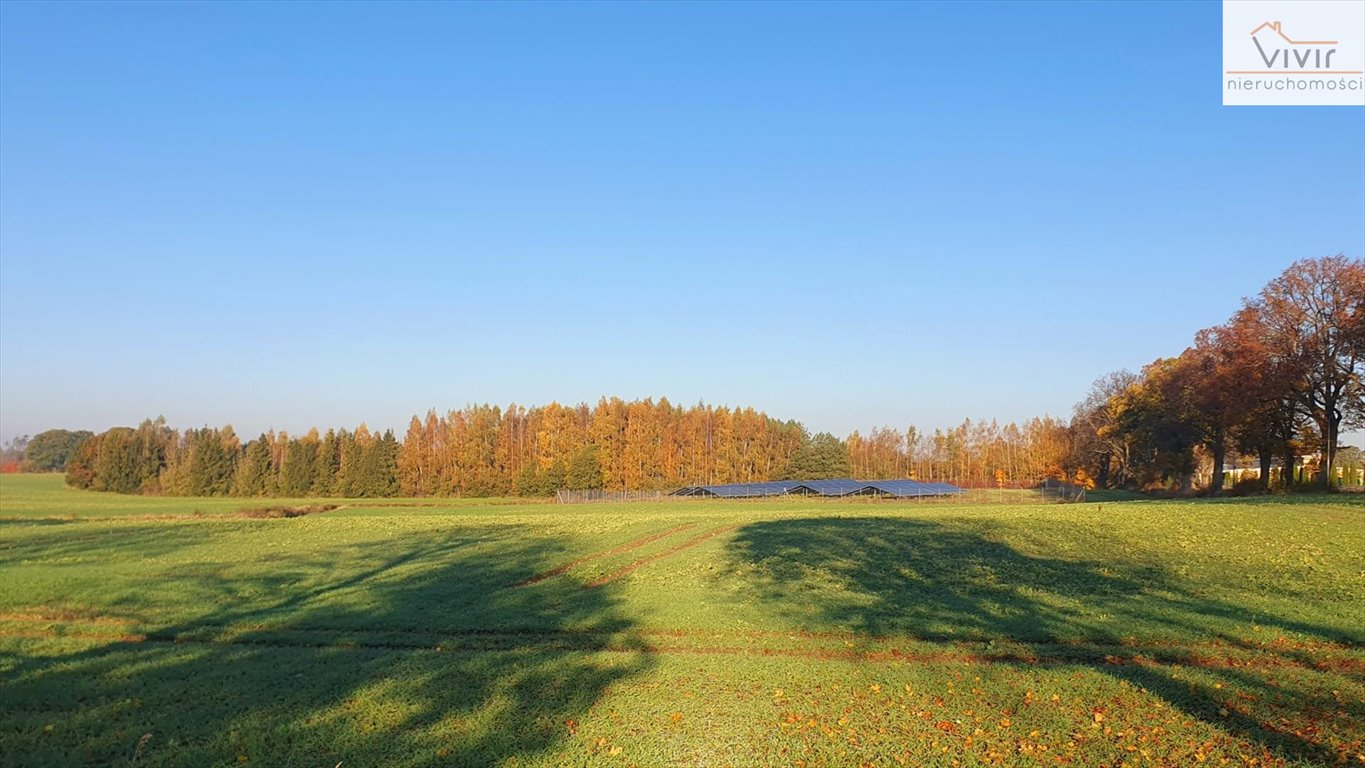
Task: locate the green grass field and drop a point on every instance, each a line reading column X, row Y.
column 144, row 631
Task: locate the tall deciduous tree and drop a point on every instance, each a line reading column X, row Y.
column 49, row 451
column 83, row 466
column 1103, row 442
column 1271, row 419
column 1311, row 319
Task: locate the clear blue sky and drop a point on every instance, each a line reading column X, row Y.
column 285, row 215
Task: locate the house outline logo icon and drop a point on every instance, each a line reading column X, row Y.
column 1289, row 60
column 1275, row 25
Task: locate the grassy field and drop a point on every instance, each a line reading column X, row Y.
column 138, row 631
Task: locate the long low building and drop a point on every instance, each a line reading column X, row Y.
column 903, row 489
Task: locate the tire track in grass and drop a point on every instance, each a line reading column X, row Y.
column 629, row 569
column 623, row 548
column 649, row 643
column 112, row 625
column 65, row 617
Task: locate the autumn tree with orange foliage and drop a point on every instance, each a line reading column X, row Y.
column 1287, row 366
column 1313, row 320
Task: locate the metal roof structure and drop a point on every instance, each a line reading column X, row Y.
column 911, row 488
column 739, row 490
column 834, row 488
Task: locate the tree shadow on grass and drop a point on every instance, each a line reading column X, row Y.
column 951, row 582
column 410, row 650
column 72, row 540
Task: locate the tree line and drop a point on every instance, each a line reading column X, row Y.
column 976, row 454
column 156, row 459
column 485, row 450
column 1277, row 382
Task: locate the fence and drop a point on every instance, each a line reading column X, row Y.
column 580, row 497
column 968, row 496
column 1062, row 492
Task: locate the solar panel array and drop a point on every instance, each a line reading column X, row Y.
column 739, row 490
column 914, row 488
column 836, row 488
